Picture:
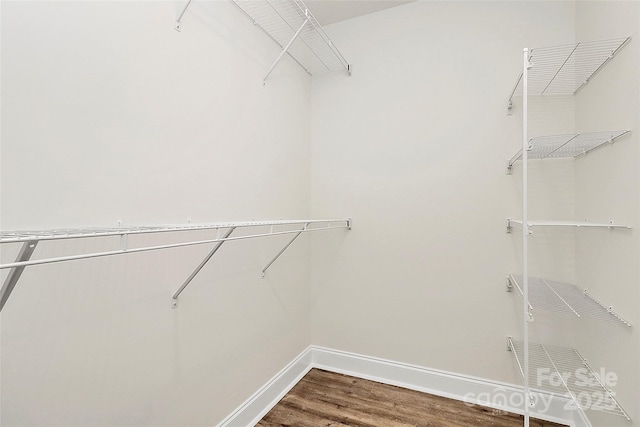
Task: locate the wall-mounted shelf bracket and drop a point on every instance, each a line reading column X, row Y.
column 174, row 299
column 12, row 278
column 186, row 6
column 264, row 270
column 512, row 223
column 288, row 45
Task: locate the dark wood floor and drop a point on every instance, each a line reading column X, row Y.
column 326, row 399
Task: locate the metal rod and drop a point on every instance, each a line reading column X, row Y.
column 151, row 248
column 257, row 24
column 264, row 270
column 12, row 278
column 559, row 69
column 201, row 265
column 593, row 374
column 555, row 368
column 559, row 297
column 525, row 235
column 603, row 64
column 286, row 48
column 560, row 146
column 515, row 282
column 186, row 6
column 513, row 92
column 515, row 158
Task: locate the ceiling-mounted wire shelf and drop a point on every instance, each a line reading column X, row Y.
column 563, row 298
column 565, row 69
column 564, row 371
column 568, row 145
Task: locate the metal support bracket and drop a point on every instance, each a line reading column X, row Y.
column 264, row 270
column 12, row 278
column 509, row 285
column 186, row 6
column 286, row 48
column 174, row 301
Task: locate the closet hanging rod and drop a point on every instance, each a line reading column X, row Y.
column 124, row 250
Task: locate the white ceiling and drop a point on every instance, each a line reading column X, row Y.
column 330, row 11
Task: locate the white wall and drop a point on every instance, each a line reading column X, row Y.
column 110, row 114
column 607, row 187
column 414, row 146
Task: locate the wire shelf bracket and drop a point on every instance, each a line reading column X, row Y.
column 30, row 240
column 174, row 299
column 566, row 69
column 292, row 26
column 11, row 280
column 566, row 146
column 563, row 371
column 264, row 270
column 563, row 298
column 178, row 21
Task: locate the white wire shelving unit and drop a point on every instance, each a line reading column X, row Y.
column 556, row 70
column 563, row 371
column 568, row 145
column 565, row 298
column 292, row 26
column 220, row 233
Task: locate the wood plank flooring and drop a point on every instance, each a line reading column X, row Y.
column 328, row 399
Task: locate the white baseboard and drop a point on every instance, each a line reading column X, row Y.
column 496, row 395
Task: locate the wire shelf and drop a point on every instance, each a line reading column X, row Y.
column 77, row 233
column 568, row 145
column 564, row 298
column 565, row 69
column 31, row 239
column 312, row 49
column 516, row 223
column 564, row 371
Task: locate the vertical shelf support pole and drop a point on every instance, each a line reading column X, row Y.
column 525, row 234
column 174, row 303
column 12, row 278
column 264, row 270
column 286, row 48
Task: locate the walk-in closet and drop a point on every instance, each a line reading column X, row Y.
column 302, row 213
